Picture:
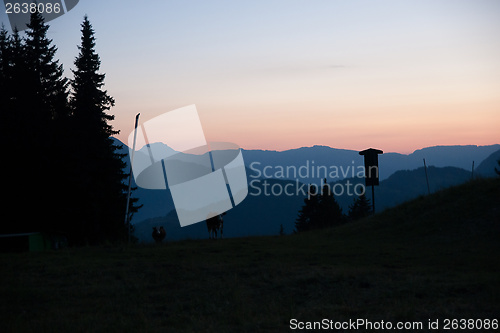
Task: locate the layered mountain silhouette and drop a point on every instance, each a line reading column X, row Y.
column 262, row 212
column 487, row 166
column 439, row 156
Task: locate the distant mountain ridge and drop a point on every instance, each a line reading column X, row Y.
column 159, row 203
column 439, row 156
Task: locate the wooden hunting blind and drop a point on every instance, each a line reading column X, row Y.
column 371, row 165
column 371, row 170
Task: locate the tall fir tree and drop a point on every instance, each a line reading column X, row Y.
column 15, row 182
column 15, row 71
column 89, row 101
column 48, row 86
column 330, row 210
column 5, row 84
column 15, row 98
column 6, row 120
column 320, row 210
column 36, row 94
column 101, row 192
column 5, row 61
column 360, row 208
column 45, row 102
column 309, row 213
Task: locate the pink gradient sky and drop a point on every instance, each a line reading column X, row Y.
column 282, row 74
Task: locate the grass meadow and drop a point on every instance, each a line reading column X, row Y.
column 435, row 257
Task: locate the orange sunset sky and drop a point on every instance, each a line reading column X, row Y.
column 277, row 74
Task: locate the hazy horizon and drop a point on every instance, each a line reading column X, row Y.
column 340, row 148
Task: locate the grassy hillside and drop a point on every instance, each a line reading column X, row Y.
column 432, row 258
column 262, row 214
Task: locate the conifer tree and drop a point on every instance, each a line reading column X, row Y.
column 14, row 86
column 101, row 190
column 45, row 103
column 14, row 181
column 308, row 214
column 64, row 175
column 5, row 84
column 6, row 120
column 35, row 94
column 89, row 101
column 360, row 208
column 45, row 80
column 14, row 75
column 330, row 212
column 320, row 210
column 4, row 64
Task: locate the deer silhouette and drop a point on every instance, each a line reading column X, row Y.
column 214, row 224
column 159, row 234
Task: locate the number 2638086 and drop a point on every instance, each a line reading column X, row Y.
column 470, row 324
column 25, row 7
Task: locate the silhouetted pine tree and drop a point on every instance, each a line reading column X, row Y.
column 360, row 208
column 320, row 210
column 14, row 182
column 330, row 212
column 14, row 73
column 5, row 83
column 34, row 95
column 308, row 214
column 45, row 104
column 5, row 61
column 15, row 123
column 101, row 191
column 48, row 87
column 8, row 148
column 62, row 173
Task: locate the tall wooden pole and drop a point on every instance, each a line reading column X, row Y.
column 127, row 220
column 373, row 198
column 427, row 178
